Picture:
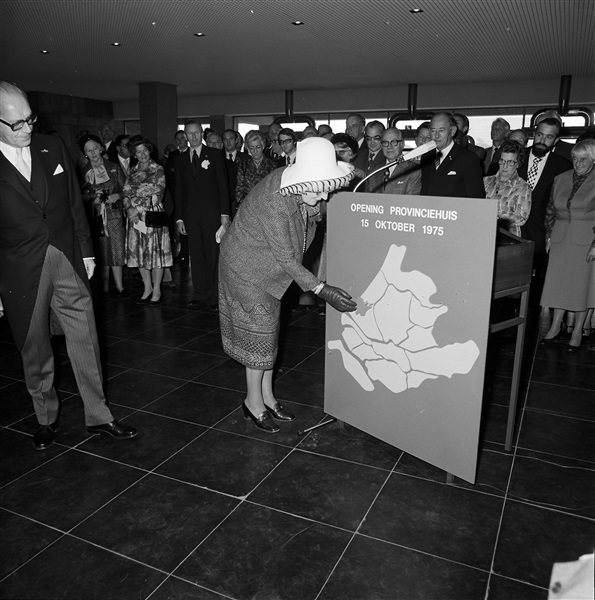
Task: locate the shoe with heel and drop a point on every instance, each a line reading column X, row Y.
column 263, row 421
column 279, row 413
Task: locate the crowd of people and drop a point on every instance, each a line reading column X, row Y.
column 249, row 211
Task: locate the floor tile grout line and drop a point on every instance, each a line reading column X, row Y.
column 510, row 474
column 362, row 520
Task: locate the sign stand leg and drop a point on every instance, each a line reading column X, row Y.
column 323, row 424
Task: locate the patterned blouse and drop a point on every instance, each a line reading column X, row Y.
column 514, row 200
column 249, row 175
column 144, row 190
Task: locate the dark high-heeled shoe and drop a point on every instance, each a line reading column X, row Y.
column 280, row 413
column 263, row 421
column 571, row 348
column 556, row 339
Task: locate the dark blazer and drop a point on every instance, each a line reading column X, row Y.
column 48, row 210
column 112, row 152
column 534, row 228
column 361, row 162
column 459, row 176
column 231, row 167
column 489, row 166
column 201, row 199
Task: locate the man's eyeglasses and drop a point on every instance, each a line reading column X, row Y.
column 369, row 138
column 284, row 142
column 507, row 163
column 17, row 125
column 393, row 143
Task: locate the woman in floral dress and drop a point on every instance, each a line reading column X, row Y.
column 148, row 248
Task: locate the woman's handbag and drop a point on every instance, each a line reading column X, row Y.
column 155, row 218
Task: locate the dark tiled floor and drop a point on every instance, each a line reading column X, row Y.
column 201, row 505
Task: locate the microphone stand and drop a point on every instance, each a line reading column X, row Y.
column 419, row 151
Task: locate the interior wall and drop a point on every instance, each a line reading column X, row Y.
column 538, row 93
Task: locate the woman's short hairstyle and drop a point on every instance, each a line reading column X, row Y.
column 344, row 140
column 89, row 137
column 255, row 134
column 289, row 132
column 585, row 147
column 513, row 147
column 137, row 141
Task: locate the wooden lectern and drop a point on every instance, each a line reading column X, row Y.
column 512, row 277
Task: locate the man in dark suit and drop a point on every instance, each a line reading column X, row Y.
column 539, row 171
column 202, row 209
column 46, row 259
column 455, row 171
column 370, row 158
column 462, row 122
column 498, row 132
column 355, row 126
column 404, row 177
column 106, row 133
column 232, row 159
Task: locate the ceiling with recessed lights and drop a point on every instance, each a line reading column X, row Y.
column 252, row 46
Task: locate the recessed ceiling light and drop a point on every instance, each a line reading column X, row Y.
column 297, row 23
column 198, row 34
column 116, row 44
column 416, row 10
column 44, row 51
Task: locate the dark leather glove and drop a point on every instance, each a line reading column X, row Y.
column 337, row 298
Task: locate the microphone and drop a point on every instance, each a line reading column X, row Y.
column 427, row 147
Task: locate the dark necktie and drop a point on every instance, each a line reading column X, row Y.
column 386, row 177
column 437, row 160
column 371, row 158
column 496, row 155
column 193, row 160
column 230, row 156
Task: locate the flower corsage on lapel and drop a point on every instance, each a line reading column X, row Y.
column 205, row 164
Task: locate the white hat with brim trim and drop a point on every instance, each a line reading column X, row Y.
column 315, row 169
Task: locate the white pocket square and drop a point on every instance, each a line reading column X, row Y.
column 59, row 169
column 451, row 173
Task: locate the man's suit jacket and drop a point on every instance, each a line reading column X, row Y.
column 490, row 167
column 362, row 162
column 405, row 179
column 232, row 171
column 534, row 228
column 112, row 152
column 201, row 195
column 458, row 176
column 48, row 210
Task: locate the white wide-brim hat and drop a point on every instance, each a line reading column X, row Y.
column 315, row 169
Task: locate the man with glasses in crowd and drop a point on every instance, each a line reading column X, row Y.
column 370, row 158
column 400, row 177
column 46, row 260
column 288, row 143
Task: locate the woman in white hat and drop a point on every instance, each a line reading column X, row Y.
column 261, row 254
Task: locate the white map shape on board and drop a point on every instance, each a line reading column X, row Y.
column 391, row 339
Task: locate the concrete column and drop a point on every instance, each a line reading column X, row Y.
column 158, row 109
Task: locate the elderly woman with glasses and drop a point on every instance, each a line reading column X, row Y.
column 512, row 192
column 251, row 171
column 261, row 254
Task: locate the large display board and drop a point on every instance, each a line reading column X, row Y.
column 408, row 365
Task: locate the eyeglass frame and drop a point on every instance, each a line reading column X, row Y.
column 283, row 142
column 372, row 137
column 18, row 125
column 508, row 163
column 393, row 143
